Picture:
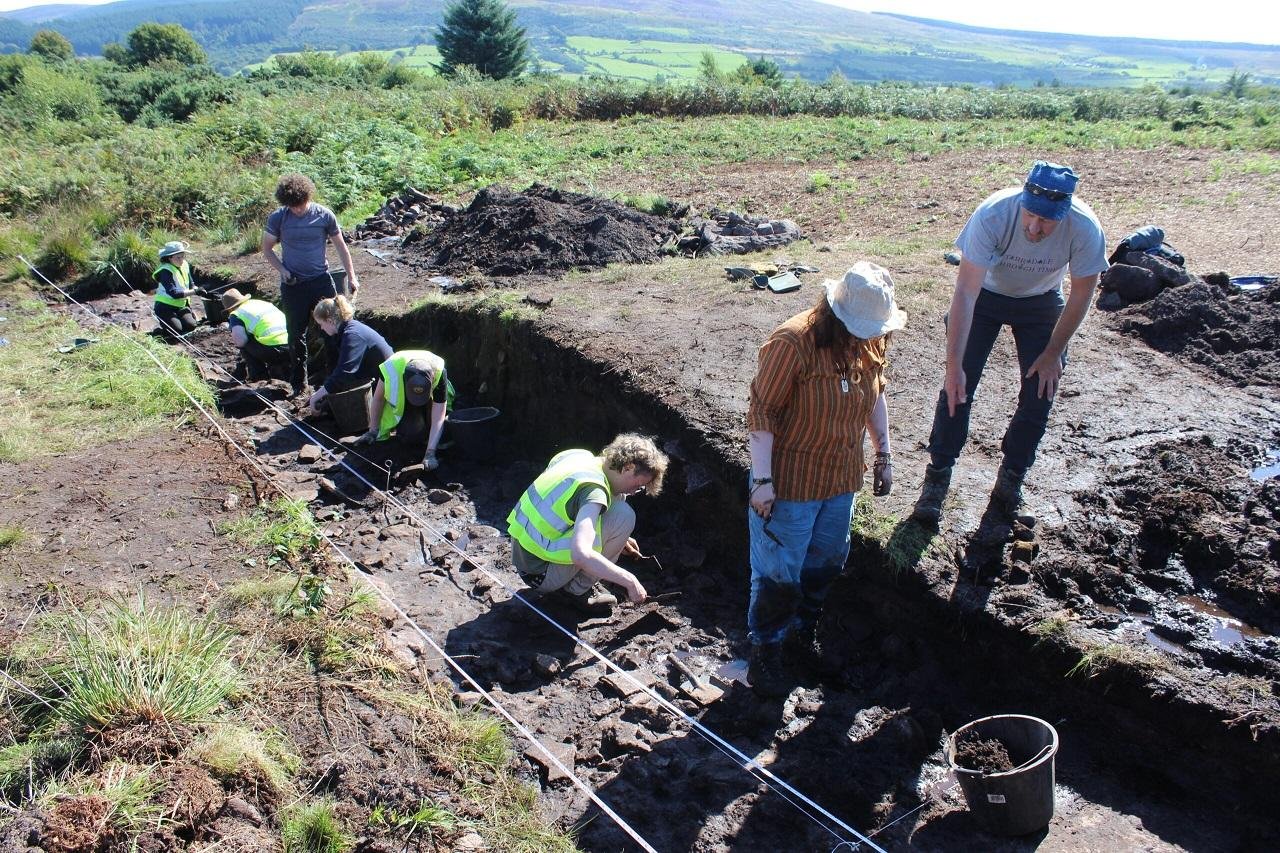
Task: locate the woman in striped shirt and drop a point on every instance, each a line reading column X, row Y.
column 818, row 389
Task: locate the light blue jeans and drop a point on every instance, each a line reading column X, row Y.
column 795, row 556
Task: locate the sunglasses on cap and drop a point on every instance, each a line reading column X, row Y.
column 1051, row 195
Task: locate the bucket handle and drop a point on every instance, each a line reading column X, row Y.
column 1024, row 765
column 1033, row 759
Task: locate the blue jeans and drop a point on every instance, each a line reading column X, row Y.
column 1032, row 319
column 795, row 556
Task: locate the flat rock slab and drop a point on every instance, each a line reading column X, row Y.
column 565, row 753
column 628, row 687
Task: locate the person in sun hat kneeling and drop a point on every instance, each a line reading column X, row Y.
column 410, row 383
column 258, row 330
column 174, row 289
column 1016, row 248
column 818, row 389
column 573, row 522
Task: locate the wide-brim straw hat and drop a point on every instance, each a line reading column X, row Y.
column 863, row 300
column 233, row 299
column 174, row 247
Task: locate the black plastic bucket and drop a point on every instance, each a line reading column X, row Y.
column 339, row 277
column 473, row 431
column 213, row 310
column 351, row 409
column 1017, row 801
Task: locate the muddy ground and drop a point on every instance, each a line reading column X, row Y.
column 1156, row 561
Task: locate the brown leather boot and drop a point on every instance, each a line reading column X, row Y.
column 937, row 481
column 1007, row 495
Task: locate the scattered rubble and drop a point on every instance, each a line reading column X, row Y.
column 401, row 214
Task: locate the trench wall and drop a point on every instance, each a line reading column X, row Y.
column 553, row 396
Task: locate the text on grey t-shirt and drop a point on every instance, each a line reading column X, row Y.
column 993, row 238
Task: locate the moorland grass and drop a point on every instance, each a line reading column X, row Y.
column 234, row 751
column 314, row 828
column 110, row 390
column 70, row 183
column 131, row 662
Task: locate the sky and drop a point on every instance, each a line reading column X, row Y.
column 1254, row 21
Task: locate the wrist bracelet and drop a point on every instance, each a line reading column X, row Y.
column 761, row 481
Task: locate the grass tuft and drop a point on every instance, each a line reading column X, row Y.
column 11, row 537
column 1108, row 656
column 135, row 663
column 237, row 752
column 127, row 789
column 285, row 526
column 314, row 828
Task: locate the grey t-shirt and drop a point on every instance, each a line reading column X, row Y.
column 303, row 238
column 993, row 238
column 588, row 493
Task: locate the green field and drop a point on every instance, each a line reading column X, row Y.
column 647, row 59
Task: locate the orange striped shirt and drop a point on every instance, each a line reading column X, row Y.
column 799, row 395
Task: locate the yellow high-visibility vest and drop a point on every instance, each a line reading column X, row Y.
column 540, row 521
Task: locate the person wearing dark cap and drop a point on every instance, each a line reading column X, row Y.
column 1016, row 247
column 410, row 381
column 174, row 288
column 258, row 330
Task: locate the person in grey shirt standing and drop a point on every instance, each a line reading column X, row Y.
column 303, row 229
column 1017, row 246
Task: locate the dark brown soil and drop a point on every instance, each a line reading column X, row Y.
column 1146, row 462
column 1235, row 334
column 541, row 230
column 974, row 752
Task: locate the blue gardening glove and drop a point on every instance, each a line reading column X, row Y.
column 430, row 462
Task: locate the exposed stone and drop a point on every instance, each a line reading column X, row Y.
column 439, row 496
column 310, row 453
column 547, row 664
column 565, row 753
column 639, row 679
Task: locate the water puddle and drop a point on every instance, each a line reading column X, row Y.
column 1225, row 628
column 1250, row 283
column 1153, row 639
column 1269, row 468
column 734, row 670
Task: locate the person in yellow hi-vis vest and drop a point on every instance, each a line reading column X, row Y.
column 409, row 381
column 571, row 525
column 259, row 331
column 174, row 289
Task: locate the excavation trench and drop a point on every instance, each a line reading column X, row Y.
column 924, row 652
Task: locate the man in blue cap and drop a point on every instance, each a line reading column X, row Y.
column 1017, row 247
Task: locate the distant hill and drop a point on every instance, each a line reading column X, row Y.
column 647, row 38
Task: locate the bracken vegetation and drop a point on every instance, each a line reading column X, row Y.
column 106, row 159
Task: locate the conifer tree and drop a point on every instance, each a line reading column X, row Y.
column 482, row 34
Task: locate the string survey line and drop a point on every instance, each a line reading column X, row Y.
column 457, row 667
column 794, row 797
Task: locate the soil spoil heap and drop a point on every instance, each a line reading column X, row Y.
column 541, row 230
column 1236, row 333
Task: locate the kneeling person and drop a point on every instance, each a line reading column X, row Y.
column 258, row 330
column 573, row 522
column 174, row 289
column 409, row 381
